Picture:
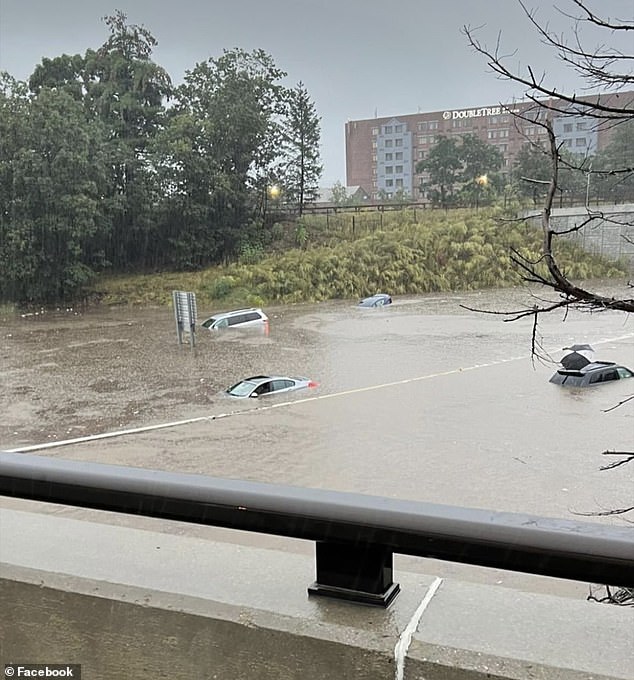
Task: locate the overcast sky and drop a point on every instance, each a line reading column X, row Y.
column 358, row 58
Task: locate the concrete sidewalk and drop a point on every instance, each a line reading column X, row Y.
column 127, row 602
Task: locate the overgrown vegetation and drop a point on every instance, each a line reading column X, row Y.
column 354, row 255
column 106, row 166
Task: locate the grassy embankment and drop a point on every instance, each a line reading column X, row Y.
column 348, row 256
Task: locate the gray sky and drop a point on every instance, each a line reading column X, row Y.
column 357, row 58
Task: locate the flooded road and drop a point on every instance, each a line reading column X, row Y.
column 421, row 400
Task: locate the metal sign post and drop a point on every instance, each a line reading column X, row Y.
column 185, row 314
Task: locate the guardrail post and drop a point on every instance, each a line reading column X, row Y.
column 357, row 573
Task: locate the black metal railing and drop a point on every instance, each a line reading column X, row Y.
column 356, row 534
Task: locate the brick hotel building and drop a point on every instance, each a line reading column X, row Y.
column 382, row 153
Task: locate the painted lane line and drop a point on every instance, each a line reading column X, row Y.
column 259, row 409
column 400, row 650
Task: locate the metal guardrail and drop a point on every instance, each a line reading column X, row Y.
column 356, row 534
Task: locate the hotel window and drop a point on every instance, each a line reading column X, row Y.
column 398, row 128
column 389, row 182
column 567, row 142
column 581, row 141
column 422, row 126
column 375, row 131
column 433, row 124
column 388, row 129
column 398, row 169
column 529, row 130
column 567, row 127
column 388, row 143
column 374, row 158
column 504, row 119
column 399, row 182
column 389, row 170
column 492, row 134
column 398, row 142
column 503, row 147
column 581, row 126
column 421, row 154
column 373, row 172
column 388, row 156
column 422, row 139
column 503, row 133
column 374, row 143
column 398, row 156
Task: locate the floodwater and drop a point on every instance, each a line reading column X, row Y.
column 421, row 400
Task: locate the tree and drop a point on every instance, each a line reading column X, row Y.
column 443, row 164
column 339, row 194
column 51, row 181
column 301, row 133
column 126, row 91
column 460, row 169
column 611, row 184
column 229, row 110
column 611, row 110
column 604, row 68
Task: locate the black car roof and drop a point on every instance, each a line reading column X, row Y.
column 594, row 366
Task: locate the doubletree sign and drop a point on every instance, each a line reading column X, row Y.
column 477, row 113
column 473, row 113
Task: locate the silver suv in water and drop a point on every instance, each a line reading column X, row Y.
column 239, row 318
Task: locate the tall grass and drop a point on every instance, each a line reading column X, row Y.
column 339, row 258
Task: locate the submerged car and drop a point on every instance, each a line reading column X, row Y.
column 377, row 300
column 259, row 385
column 239, row 318
column 593, row 373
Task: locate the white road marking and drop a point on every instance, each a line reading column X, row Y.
column 294, row 402
column 405, row 638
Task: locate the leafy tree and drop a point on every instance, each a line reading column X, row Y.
column 301, row 134
column 230, row 110
column 65, row 72
column 460, row 169
column 51, row 181
column 531, row 171
column 339, row 194
column 443, row 164
column 126, row 90
column 611, row 183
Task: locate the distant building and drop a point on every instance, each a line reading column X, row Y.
column 354, row 195
column 382, row 153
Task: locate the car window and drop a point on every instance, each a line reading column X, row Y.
column 282, row 384
column 221, row 323
column 264, row 388
column 208, row 323
column 624, row 372
column 241, row 389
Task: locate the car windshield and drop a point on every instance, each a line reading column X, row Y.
column 241, row 389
